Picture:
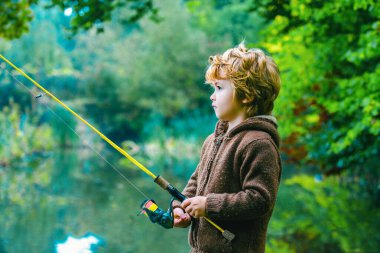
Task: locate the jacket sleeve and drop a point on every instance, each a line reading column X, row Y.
column 259, row 176
column 190, row 188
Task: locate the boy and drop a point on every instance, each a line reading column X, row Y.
column 236, row 181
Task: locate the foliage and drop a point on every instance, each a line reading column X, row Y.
column 16, row 15
column 226, row 23
column 172, row 148
column 329, row 102
column 142, row 85
column 54, row 191
column 21, row 140
column 324, row 216
column 143, row 73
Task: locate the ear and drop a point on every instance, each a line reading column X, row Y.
column 247, row 100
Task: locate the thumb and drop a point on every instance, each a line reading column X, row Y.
column 185, row 217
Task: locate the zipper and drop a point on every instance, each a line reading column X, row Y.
column 210, row 161
column 215, row 150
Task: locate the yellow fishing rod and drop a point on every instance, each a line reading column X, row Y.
column 163, row 183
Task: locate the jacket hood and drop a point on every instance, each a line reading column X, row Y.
column 265, row 123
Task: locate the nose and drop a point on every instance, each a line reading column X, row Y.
column 212, row 97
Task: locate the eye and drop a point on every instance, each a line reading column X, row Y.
column 217, row 86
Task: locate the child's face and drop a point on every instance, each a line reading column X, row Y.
column 225, row 106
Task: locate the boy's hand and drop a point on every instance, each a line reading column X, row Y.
column 195, row 206
column 181, row 219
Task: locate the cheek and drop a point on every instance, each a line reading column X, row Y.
column 226, row 97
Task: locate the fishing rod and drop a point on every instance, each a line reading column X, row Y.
column 155, row 213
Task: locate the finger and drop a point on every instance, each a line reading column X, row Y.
column 189, row 209
column 177, row 215
column 185, row 219
column 197, row 214
column 183, row 224
column 177, row 222
column 178, row 211
column 185, row 203
column 186, row 216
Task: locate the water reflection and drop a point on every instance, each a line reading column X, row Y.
column 43, row 200
column 86, row 244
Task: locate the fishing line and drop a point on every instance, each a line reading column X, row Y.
column 37, row 97
column 159, row 180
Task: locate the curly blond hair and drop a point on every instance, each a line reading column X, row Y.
column 255, row 77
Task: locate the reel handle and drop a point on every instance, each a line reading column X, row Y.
column 164, row 184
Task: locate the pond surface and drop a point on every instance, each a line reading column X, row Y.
column 68, row 194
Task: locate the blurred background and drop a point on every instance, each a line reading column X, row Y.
column 135, row 69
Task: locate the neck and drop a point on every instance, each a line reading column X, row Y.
column 236, row 121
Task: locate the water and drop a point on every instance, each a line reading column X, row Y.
column 70, row 192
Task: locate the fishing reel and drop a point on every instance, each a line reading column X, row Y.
column 156, row 214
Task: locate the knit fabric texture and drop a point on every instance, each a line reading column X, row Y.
column 239, row 172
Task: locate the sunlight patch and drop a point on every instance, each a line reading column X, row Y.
column 68, row 11
column 85, row 244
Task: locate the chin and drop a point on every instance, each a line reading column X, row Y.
column 221, row 118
